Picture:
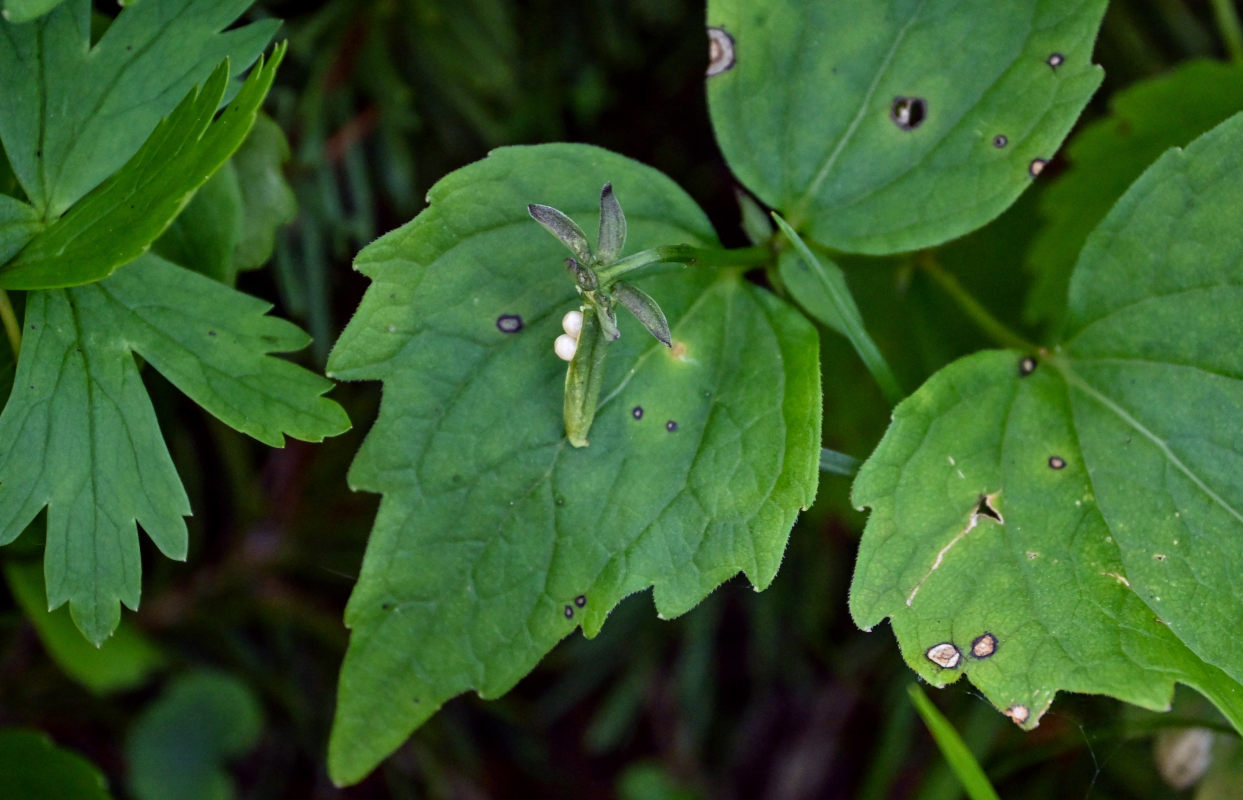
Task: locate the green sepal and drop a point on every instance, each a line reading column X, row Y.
column 645, row 310
column 612, row 236
column 564, row 228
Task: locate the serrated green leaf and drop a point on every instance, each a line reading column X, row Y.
column 120, row 218
column 494, row 540
column 1108, row 155
column 79, row 434
column 59, row 119
column 205, row 234
column 32, row 767
column 179, row 746
column 125, row 661
column 1113, row 465
column 879, row 127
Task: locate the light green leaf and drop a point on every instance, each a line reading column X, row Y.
column 32, row 767
column 125, row 661
column 179, row 746
column 1114, row 466
column 495, row 539
column 1108, row 155
column 267, row 198
column 72, row 114
column 120, row 218
column 26, row 10
column 878, row 127
column 79, row 434
column 205, row 234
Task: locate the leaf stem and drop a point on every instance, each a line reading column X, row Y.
column 980, row 315
column 685, row 254
column 11, row 328
column 1229, row 28
column 837, row 463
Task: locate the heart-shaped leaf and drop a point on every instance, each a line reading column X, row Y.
column 1073, row 521
column 495, row 538
column 884, row 126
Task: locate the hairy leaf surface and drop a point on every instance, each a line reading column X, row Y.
column 878, row 127
column 1113, row 466
column 495, row 539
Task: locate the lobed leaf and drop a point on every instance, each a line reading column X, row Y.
column 78, row 112
column 878, row 127
column 120, row 218
column 1114, row 467
column 79, row 435
column 494, row 538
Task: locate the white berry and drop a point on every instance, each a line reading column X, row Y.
column 572, row 322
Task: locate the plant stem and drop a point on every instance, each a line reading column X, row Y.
column 1228, row 25
column 972, row 307
column 955, row 752
column 684, row 254
column 11, row 328
column 837, row 463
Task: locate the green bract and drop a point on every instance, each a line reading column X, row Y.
column 878, row 127
column 495, row 538
column 1111, row 468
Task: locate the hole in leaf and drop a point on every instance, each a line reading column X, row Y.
column 509, row 323
column 984, row 645
column 945, row 655
column 1056, row 462
column 1037, row 166
column 908, row 113
column 1027, row 365
column 1000, row 141
column 720, row 51
column 985, row 508
column 1158, row 556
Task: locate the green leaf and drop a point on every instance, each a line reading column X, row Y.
column 125, row 661
column 885, row 126
column 953, row 749
column 19, row 222
column 1112, row 465
column 267, row 198
column 495, row 539
column 33, row 768
column 79, row 434
column 179, row 746
column 1108, row 155
column 120, row 218
column 26, row 10
column 61, row 120
column 204, row 235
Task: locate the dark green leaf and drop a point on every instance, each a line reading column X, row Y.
column 178, row 747
column 119, row 219
column 1108, row 155
column 26, row 10
column 495, row 540
column 885, row 126
column 33, row 768
column 79, row 434
column 1078, row 513
column 64, row 100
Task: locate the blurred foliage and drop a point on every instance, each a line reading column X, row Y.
column 750, row 695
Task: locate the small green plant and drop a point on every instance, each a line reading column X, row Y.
column 1062, row 513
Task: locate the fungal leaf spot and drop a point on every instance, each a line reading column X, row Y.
column 1000, row 141
column 1057, row 462
column 1037, row 166
column 1027, row 365
column 984, row 645
column 908, row 113
column 1018, row 713
column 569, row 612
column 637, row 412
column 1055, row 60
column 509, row 323
column 581, row 600
column 720, row 51
column 945, row 655
column 671, row 426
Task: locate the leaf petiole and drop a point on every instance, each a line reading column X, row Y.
column 11, row 329
column 1227, row 17
column 684, row 254
column 978, row 314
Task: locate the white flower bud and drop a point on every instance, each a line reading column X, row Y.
column 566, row 345
column 572, row 322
